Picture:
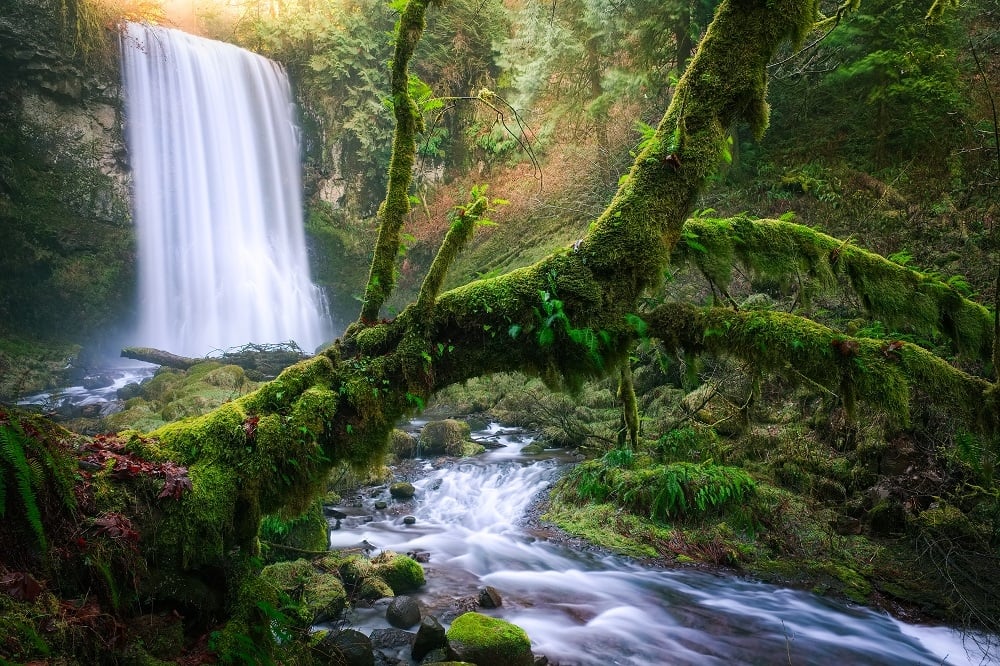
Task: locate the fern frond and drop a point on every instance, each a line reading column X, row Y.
column 12, row 449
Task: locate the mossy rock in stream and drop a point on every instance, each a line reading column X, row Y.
column 448, row 437
column 401, row 572
column 488, row 641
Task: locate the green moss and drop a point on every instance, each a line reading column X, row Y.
column 402, row 573
column 780, row 252
column 607, row 526
column 396, row 206
column 323, row 599
column 286, row 537
column 854, row 369
column 487, row 640
column 444, row 437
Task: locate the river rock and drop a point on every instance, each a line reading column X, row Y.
column 430, row 636
column 402, row 573
column 489, row 597
column 409, row 520
column 346, row 648
column 402, row 490
column 129, row 391
column 323, row 598
column 403, row 612
column 532, row 449
column 97, row 381
column 391, row 641
column 334, row 513
column 481, row 639
column 435, row 656
column 448, row 437
column 403, row 444
column 381, row 505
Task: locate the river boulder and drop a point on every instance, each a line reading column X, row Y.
column 430, row 636
column 448, row 437
column 488, row 641
column 346, row 648
column 403, row 490
column 403, row 612
column 402, row 444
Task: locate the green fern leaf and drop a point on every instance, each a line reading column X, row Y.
column 12, row 443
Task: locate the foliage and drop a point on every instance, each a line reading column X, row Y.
column 13, row 443
column 336, row 53
column 673, row 491
column 887, row 87
column 67, row 256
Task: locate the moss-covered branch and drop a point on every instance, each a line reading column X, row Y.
column 886, row 375
column 780, row 251
column 463, row 223
column 396, row 206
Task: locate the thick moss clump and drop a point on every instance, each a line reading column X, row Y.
column 481, row 639
column 314, row 596
column 285, row 538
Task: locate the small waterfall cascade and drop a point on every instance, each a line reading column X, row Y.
column 214, row 151
column 585, row 607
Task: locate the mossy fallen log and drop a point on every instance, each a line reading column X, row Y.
column 260, row 361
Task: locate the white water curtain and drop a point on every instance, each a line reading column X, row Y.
column 214, row 152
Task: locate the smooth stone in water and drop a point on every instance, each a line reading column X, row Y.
column 489, row 597
column 391, row 639
column 347, row 648
column 403, row 612
column 409, row 520
column 430, row 637
column 402, row 490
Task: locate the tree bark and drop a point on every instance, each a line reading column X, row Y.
column 159, row 357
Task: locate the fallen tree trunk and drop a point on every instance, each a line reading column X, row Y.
column 159, row 357
column 260, row 362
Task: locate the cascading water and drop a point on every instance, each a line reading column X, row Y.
column 217, row 196
column 581, row 607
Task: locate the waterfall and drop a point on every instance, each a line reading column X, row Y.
column 214, row 153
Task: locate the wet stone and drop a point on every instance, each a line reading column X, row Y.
column 403, row 612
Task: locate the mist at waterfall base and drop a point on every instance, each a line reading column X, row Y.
column 214, row 153
column 583, row 607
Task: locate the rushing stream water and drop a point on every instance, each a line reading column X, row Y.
column 581, row 607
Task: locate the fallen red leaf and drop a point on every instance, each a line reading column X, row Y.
column 21, row 585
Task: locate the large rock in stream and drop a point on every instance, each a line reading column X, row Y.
column 449, row 437
column 488, row 641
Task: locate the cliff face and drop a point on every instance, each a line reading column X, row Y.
column 67, row 256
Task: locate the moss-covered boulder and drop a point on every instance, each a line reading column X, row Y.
column 401, row 572
column 488, row 641
column 386, row 575
column 321, row 596
column 449, row 437
column 402, row 490
column 173, row 394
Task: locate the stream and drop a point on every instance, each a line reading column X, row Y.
column 581, row 606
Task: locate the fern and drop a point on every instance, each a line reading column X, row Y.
column 12, row 451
